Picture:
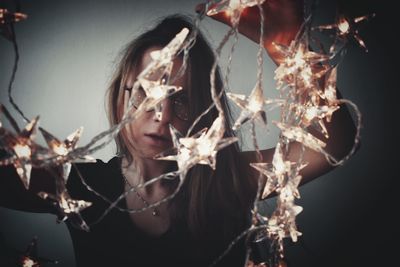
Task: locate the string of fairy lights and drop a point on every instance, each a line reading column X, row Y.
column 304, row 101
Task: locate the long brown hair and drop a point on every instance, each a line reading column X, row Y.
column 210, row 201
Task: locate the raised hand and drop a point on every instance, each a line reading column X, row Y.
column 282, row 20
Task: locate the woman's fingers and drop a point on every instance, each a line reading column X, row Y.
column 282, row 20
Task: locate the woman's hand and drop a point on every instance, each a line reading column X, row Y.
column 282, row 20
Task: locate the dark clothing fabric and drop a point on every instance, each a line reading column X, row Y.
column 114, row 240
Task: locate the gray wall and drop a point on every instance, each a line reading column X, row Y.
column 67, row 54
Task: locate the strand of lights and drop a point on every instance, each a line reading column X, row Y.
column 345, row 29
column 301, row 65
column 298, row 75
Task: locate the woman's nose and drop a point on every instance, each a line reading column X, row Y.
column 167, row 112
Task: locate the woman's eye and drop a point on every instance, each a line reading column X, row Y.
column 138, row 96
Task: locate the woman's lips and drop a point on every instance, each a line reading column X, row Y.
column 157, row 140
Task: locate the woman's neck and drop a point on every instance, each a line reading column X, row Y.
column 142, row 170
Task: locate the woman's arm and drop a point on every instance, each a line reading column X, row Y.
column 283, row 19
column 341, row 130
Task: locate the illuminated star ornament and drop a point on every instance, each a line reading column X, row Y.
column 329, row 94
column 201, row 148
column 314, row 115
column 345, row 29
column 6, row 19
column 252, row 106
column 30, row 256
column 156, row 91
column 283, row 178
column 20, row 146
column 282, row 223
column 68, row 208
column 232, row 8
column 301, row 67
column 154, row 79
column 277, row 172
column 300, row 135
column 62, row 148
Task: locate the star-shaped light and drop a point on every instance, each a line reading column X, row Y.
column 6, row 18
column 345, row 29
column 329, row 94
column 179, row 153
column 283, row 222
column 298, row 134
column 162, row 59
column 300, row 67
column 158, row 88
column 30, row 257
column 277, row 172
column 68, row 208
column 232, row 8
column 314, row 115
column 169, row 52
column 201, row 148
column 156, row 91
column 21, row 147
column 62, row 148
column 252, row 106
column 28, row 262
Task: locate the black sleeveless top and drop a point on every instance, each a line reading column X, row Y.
column 115, row 241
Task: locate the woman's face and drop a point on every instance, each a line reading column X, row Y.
column 148, row 136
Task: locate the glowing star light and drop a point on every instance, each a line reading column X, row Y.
column 6, row 18
column 30, row 257
column 345, row 29
column 283, row 222
column 298, row 134
column 252, row 106
column 277, row 172
column 68, row 208
column 232, row 8
column 156, row 91
column 21, row 148
column 201, row 148
column 9, row 17
column 301, row 67
column 62, row 149
column 154, row 79
column 169, row 52
column 314, row 115
column 162, row 59
column 330, row 88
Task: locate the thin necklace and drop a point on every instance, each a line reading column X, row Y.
column 155, row 211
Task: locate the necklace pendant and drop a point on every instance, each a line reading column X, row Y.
column 155, row 213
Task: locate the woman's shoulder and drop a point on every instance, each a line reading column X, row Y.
column 86, row 179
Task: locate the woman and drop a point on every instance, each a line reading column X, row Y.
column 212, row 207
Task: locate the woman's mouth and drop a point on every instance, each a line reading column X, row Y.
column 157, row 140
